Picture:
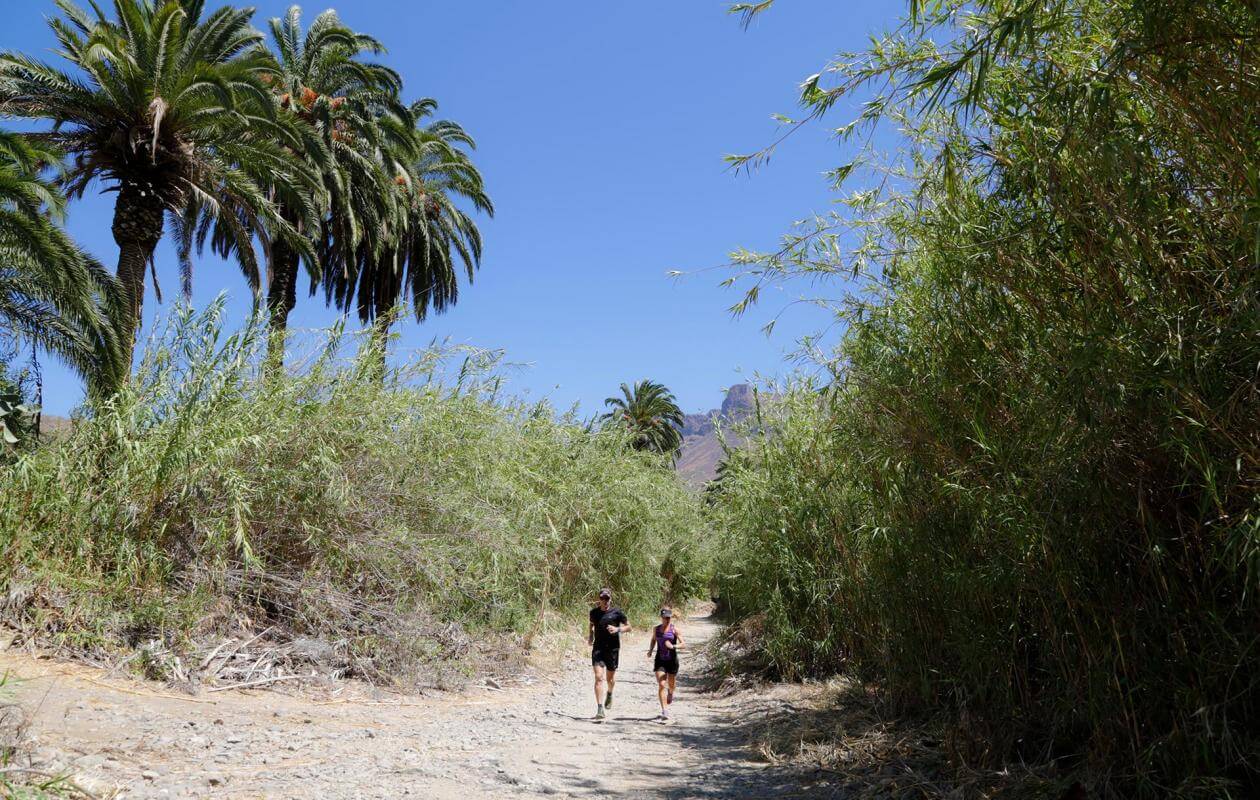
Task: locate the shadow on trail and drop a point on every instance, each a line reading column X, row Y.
column 731, row 769
column 843, row 748
column 575, row 717
column 611, row 720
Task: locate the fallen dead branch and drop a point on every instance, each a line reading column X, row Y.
column 260, row 682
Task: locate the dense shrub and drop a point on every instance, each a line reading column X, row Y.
column 332, row 503
column 1030, row 490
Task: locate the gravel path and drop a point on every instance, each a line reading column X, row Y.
column 128, row 739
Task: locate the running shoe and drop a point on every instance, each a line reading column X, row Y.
column 599, row 714
column 608, row 701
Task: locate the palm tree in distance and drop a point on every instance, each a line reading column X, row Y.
column 51, row 293
column 337, row 99
column 170, row 109
column 652, row 415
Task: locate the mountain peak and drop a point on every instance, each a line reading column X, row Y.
column 738, row 402
column 701, row 450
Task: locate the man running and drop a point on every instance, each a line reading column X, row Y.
column 604, row 636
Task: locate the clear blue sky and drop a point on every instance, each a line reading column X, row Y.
column 601, row 129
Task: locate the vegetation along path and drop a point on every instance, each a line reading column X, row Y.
column 123, row 739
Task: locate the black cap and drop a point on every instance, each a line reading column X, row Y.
column 606, row 593
column 667, row 612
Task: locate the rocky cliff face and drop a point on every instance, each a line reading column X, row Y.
column 738, row 403
column 701, row 450
column 698, row 424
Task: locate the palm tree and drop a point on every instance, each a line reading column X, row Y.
column 432, row 236
column 337, row 99
column 169, row 108
column 51, row 293
column 651, row 414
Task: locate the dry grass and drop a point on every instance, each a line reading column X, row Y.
column 842, row 728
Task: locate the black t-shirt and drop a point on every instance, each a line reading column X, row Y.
column 601, row 619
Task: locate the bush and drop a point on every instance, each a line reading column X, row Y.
column 1029, row 492
column 332, row 503
column 16, row 413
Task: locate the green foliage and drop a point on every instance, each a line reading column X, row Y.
column 335, row 99
column 649, row 412
column 51, row 292
column 421, row 255
column 395, row 231
column 167, row 104
column 14, row 414
column 306, row 149
column 332, row 503
column 1028, row 493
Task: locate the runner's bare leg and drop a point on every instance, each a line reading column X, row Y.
column 601, row 683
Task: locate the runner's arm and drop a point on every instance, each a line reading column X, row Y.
column 651, row 642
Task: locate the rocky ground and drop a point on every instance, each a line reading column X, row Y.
column 119, row 738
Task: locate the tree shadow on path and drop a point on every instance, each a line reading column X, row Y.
column 731, row 765
column 835, row 740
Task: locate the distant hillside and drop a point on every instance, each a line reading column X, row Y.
column 701, row 450
column 53, row 425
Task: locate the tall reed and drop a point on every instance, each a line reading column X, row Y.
column 1029, row 490
column 331, row 502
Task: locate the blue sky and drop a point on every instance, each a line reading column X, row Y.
column 601, row 129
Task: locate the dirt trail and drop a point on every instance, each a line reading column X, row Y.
column 133, row 740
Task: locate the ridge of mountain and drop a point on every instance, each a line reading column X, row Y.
column 701, row 450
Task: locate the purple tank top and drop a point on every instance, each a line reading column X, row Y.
column 663, row 636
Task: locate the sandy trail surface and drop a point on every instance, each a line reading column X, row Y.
column 121, row 738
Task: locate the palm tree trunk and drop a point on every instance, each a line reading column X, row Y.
column 137, row 228
column 282, row 269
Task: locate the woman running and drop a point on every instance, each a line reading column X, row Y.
column 666, row 641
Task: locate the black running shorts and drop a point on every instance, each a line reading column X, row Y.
column 667, row 665
column 606, row 656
